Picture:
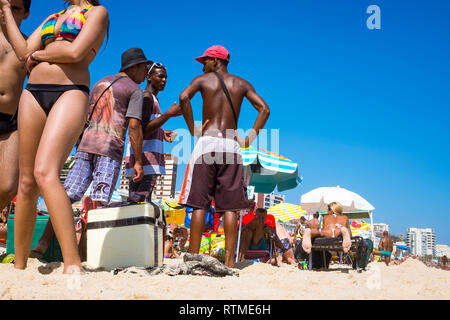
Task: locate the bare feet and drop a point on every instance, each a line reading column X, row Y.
column 73, row 270
column 306, row 243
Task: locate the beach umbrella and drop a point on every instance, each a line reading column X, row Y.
column 286, row 212
column 405, row 248
column 267, row 170
column 318, row 199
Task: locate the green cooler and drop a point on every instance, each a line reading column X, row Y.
column 53, row 253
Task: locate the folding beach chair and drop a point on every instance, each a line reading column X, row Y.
column 335, row 244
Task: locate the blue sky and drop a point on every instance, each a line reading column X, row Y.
column 363, row 109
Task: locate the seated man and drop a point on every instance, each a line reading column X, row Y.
column 287, row 242
column 256, row 226
column 335, row 224
column 386, row 247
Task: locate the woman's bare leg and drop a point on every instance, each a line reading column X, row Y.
column 31, row 124
column 64, row 125
column 306, row 242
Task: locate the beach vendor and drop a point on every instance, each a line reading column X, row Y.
column 216, row 167
column 118, row 104
column 335, row 224
column 152, row 151
column 385, row 247
column 12, row 77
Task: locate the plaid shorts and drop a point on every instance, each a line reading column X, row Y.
column 102, row 171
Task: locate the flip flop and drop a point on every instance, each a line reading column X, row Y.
column 34, row 254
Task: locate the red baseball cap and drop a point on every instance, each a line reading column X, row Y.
column 215, row 52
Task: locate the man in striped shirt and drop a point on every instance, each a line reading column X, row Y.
column 154, row 137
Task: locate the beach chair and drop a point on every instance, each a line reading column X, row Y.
column 324, row 245
column 261, row 251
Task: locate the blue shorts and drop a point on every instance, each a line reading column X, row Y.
column 102, row 171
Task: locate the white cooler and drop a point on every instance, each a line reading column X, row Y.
column 130, row 236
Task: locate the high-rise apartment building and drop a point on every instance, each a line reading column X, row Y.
column 268, row 200
column 422, row 242
column 165, row 185
column 379, row 228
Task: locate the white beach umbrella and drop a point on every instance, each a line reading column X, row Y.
column 318, row 199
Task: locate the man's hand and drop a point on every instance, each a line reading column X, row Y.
column 4, row 4
column 138, row 172
column 170, row 136
column 174, row 110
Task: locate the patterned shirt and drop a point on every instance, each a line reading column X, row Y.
column 105, row 135
column 153, row 147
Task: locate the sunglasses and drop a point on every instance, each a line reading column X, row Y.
column 157, row 65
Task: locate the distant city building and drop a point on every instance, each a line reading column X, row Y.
column 379, row 228
column 124, row 183
column 66, row 168
column 422, row 242
column 268, row 200
column 166, row 184
column 442, row 250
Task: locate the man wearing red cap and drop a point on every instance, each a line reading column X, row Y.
column 215, row 168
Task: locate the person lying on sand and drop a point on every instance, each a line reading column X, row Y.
column 335, row 224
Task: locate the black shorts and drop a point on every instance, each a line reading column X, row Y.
column 8, row 123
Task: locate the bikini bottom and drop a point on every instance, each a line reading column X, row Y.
column 47, row 94
column 8, row 123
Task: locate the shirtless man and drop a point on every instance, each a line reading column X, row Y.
column 215, row 167
column 255, row 227
column 335, row 224
column 386, row 247
column 12, row 77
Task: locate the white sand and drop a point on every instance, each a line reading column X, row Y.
column 411, row 280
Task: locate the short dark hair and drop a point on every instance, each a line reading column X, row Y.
column 302, row 218
column 385, row 233
column 261, row 210
column 157, row 68
column 27, row 5
column 316, row 215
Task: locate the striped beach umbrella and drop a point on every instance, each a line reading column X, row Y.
column 269, row 170
column 286, row 211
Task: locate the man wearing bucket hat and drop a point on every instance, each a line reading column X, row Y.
column 215, row 168
column 115, row 104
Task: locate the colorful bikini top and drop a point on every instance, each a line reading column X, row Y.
column 70, row 28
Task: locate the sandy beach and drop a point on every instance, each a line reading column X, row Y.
column 410, row 280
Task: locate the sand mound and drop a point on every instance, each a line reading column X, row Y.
column 256, row 281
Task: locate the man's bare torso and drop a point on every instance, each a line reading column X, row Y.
column 386, row 244
column 12, row 77
column 216, row 107
column 314, row 224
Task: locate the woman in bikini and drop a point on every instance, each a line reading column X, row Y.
column 52, row 111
